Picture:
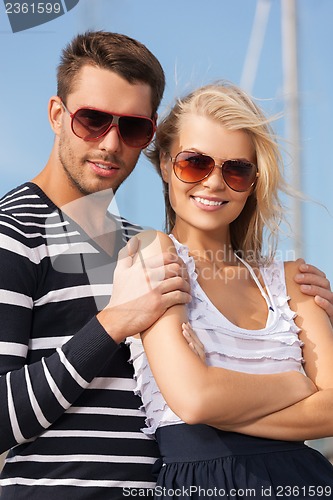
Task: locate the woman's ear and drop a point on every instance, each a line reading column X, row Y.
column 165, row 162
column 55, row 112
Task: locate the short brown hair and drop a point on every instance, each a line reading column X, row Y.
column 125, row 56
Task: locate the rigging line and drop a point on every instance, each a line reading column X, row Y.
column 256, row 42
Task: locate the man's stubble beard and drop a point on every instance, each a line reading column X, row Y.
column 76, row 178
column 67, row 160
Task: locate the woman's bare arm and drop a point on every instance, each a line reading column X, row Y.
column 312, row 417
column 201, row 394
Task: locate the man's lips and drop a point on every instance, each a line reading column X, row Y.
column 103, row 169
column 104, row 165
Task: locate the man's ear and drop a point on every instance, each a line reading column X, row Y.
column 55, row 113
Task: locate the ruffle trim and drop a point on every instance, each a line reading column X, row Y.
column 153, row 404
column 203, row 315
column 225, row 344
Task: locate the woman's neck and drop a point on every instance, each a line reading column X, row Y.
column 214, row 247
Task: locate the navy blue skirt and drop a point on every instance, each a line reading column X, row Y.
column 199, row 461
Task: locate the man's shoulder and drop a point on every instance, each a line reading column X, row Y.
column 129, row 228
column 26, row 200
column 26, row 195
column 16, row 191
column 25, row 213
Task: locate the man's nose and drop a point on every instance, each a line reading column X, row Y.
column 111, row 140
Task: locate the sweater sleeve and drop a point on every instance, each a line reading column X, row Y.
column 34, row 395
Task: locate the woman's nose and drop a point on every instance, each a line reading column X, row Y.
column 215, row 179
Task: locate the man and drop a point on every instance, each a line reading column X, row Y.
column 68, row 411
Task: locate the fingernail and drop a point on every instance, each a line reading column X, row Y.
column 304, row 267
column 185, row 330
column 305, row 287
column 300, row 276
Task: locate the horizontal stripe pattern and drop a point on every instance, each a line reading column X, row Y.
column 78, row 483
column 66, row 389
column 13, row 349
column 74, row 293
column 90, row 434
column 104, row 411
column 83, row 458
column 115, row 384
column 17, row 299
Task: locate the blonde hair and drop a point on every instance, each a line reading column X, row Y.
column 235, row 110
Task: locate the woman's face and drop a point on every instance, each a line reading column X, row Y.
column 208, row 205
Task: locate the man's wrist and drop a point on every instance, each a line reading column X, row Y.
column 107, row 319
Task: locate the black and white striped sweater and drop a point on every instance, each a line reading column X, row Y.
column 68, row 413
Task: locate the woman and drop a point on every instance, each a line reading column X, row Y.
column 218, row 432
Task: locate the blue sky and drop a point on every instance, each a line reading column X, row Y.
column 197, row 42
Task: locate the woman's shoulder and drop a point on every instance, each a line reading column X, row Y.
column 284, row 268
column 154, row 242
column 291, row 268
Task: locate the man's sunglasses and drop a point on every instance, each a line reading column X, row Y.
column 91, row 124
column 239, row 175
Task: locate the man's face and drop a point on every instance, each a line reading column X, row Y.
column 86, row 167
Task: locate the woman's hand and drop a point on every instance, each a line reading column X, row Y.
column 193, row 341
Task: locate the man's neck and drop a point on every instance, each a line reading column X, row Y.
column 90, row 212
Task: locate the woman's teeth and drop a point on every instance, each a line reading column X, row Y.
column 204, row 201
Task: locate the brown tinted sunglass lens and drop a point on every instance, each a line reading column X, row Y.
column 193, row 167
column 136, row 131
column 90, row 123
column 239, row 175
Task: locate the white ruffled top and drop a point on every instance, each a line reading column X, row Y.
column 273, row 349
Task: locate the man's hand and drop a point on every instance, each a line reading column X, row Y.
column 143, row 291
column 313, row 282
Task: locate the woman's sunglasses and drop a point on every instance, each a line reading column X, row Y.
column 91, row 124
column 239, row 175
